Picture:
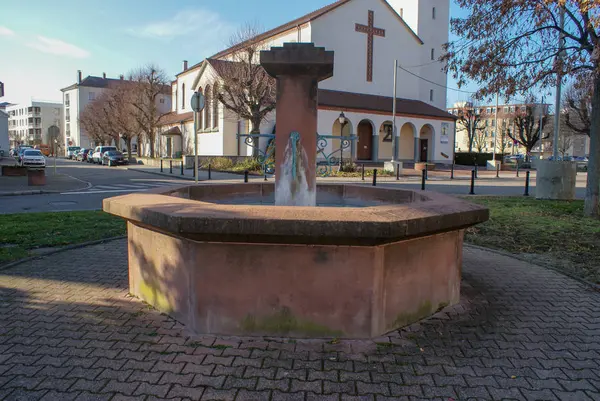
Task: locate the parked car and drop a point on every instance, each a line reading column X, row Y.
column 99, row 152
column 33, row 158
column 113, row 158
column 71, row 151
column 45, row 149
column 83, row 154
column 20, row 152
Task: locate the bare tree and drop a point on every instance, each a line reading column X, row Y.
column 245, row 87
column 504, row 137
column 513, row 46
column 565, row 142
column 472, row 120
column 578, row 105
column 123, row 114
column 479, row 140
column 528, row 131
column 93, row 120
column 148, row 85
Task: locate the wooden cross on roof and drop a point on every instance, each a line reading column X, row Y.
column 371, row 31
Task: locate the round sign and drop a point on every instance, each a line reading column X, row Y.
column 70, row 143
column 197, row 101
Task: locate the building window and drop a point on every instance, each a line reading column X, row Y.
column 431, row 95
column 512, row 109
column 433, row 13
column 67, row 103
column 183, row 96
column 207, row 105
column 506, row 109
column 92, row 96
column 215, row 106
column 433, row 54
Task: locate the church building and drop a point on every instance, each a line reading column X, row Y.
column 367, row 36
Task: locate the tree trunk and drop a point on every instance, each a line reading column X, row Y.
column 151, row 144
column 128, row 141
column 255, row 129
column 592, row 190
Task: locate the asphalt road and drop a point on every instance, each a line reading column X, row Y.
column 104, row 182
column 107, row 181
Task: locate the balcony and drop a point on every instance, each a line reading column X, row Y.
column 67, row 103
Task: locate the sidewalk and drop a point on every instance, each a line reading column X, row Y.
column 54, row 184
column 70, row 331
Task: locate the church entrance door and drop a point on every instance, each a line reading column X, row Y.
column 365, row 141
column 423, row 150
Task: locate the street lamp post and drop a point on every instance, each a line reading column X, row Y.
column 55, row 151
column 197, row 106
column 343, row 121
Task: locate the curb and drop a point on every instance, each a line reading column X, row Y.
column 181, row 177
column 46, row 192
column 550, row 266
column 59, row 250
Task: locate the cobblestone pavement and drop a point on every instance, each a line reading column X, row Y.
column 69, row 331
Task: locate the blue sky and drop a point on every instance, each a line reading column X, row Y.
column 43, row 43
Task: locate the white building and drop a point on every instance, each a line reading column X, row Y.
column 86, row 90
column 29, row 124
column 366, row 36
column 4, row 143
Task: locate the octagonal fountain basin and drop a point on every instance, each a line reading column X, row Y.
column 223, row 260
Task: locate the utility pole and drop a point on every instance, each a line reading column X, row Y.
column 394, row 141
column 495, row 130
column 558, row 88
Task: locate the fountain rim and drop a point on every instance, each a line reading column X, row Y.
column 361, row 226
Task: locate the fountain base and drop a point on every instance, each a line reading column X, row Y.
column 387, row 259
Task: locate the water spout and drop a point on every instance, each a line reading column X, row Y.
column 291, row 188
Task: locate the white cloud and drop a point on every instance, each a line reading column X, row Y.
column 4, row 31
column 184, row 23
column 58, row 47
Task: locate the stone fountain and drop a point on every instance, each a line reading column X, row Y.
column 295, row 258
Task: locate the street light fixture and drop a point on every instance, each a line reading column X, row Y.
column 197, row 106
column 343, row 120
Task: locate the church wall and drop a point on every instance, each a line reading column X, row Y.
column 336, row 31
column 187, row 79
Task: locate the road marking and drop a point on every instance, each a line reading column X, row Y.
column 103, row 192
column 105, row 187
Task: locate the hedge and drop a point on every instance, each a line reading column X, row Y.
column 469, row 159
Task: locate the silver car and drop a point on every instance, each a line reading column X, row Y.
column 33, row 158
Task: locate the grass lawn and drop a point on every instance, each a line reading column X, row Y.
column 21, row 234
column 553, row 232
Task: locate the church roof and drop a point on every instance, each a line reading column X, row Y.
column 296, row 23
column 381, row 104
column 176, row 118
column 94, row 82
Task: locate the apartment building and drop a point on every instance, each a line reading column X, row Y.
column 486, row 114
column 29, row 124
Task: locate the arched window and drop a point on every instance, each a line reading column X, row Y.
column 207, row 104
column 200, row 114
column 215, row 105
column 183, row 96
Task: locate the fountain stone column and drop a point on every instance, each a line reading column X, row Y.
column 297, row 68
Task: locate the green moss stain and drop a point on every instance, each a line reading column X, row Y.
column 441, row 306
column 154, row 297
column 404, row 319
column 284, row 322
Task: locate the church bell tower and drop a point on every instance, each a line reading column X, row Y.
column 430, row 20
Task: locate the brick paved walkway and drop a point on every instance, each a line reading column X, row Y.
column 68, row 331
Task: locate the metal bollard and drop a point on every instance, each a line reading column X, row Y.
column 161, row 166
column 472, row 192
column 170, row 166
column 195, row 169
column 181, row 166
column 245, row 175
column 375, row 177
column 363, row 172
column 476, row 171
column 423, row 179
column 398, row 172
column 426, row 173
column 517, row 168
column 526, row 184
column 209, row 171
column 497, row 171
column 452, row 172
